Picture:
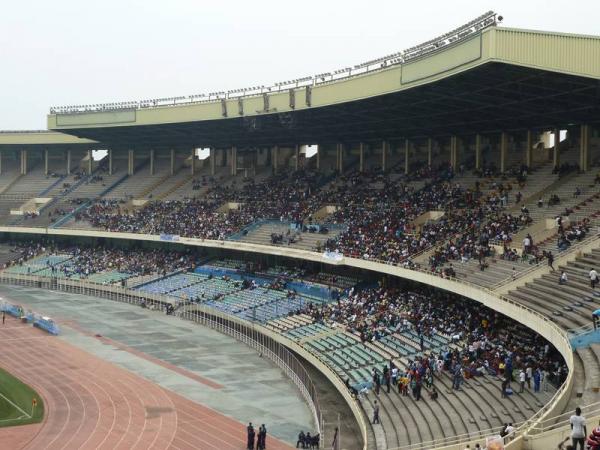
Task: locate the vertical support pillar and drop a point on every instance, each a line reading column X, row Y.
column 68, row 162
column 318, row 156
column 151, row 162
column 275, row 158
column 233, row 162
column 429, row 150
column 453, row 152
column 193, row 161
column 478, row 151
column 110, row 161
column 361, row 157
column 23, row 162
column 297, row 150
column 384, row 150
column 406, row 149
column 46, row 171
column 130, row 159
column 556, row 153
column 89, row 162
column 340, row 157
column 503, row 150
column 172, row 171
column 584, row 148
column 0, row 162
column 529, row 149
column 213, row 160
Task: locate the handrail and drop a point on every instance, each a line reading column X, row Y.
column 573, row 248
column 563, row 419
column 218, row 320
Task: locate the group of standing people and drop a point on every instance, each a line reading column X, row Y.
column 260, row 438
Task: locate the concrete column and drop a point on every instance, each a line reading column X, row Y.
column 275, row 158
column 318, row 156
column 529, row 149
column 429, row 149
column 503, row 150
column 193, row 162
column 297, row 150
column 110, row 161
column 151, row 162
column 384, row 150
column 130, row 159
column 339, row 149
column 0, row 162
column 213, row 160
column 46, row 161
column 453, row 152
column 172, row 171
column 556, row 153
column 233, row 161
column 406, row 150
column 584, row 148
column 478, row 151
column 89, row 162
column 68, row 162
column 23, row 162
column 361, row 157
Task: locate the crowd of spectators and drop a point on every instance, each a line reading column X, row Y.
column 86, row 261
column 381, row 221
column 285, row 196
column 486, row 342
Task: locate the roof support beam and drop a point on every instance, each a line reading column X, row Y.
column 556, row 152
column 361, row 157
column 503, row 150
column 429, row 149
column 406, row 149
column 130, row 162
column 478, row 151
column 529, row 149
column 584, row 147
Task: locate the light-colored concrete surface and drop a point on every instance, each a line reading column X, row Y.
column 253, row 389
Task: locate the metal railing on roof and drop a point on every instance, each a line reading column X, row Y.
column 455, row 36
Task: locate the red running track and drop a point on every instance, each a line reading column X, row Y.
column 93, row 404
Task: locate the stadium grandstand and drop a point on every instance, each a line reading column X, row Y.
column 414, row 239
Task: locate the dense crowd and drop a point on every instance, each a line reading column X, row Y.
column 486, row 342
column 382, row 214
column 286, row 197
column 381, row 222
column 86, row 261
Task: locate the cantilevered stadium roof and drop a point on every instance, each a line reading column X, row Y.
column 23, row 140
column 495, row 79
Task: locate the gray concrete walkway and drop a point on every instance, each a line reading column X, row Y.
column 195, row 362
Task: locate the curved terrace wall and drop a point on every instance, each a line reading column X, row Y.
column 528, row 317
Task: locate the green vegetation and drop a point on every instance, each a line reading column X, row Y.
column 16, row 399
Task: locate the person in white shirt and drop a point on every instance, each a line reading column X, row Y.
column 522, row 378
column 510, row 431
column 593, row 278
column 578, row 429
column 563, row 278
column 526, row 244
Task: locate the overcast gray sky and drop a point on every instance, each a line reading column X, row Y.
column 63, row 52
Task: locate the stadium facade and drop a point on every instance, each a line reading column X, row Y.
column 479, row 93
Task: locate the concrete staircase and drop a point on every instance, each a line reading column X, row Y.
column 570, row 306
column 306, row 241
